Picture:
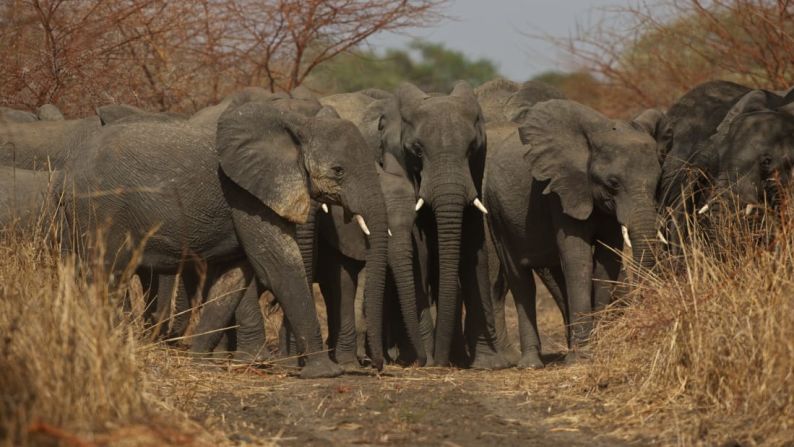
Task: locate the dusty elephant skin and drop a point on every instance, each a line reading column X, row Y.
column 559, row 186
column 242, row 201
column 724, row 135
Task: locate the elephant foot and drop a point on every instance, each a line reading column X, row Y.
column 260, row 355
column 347, row 360
column 531, row 360
column 576, row 356
column 487, row 358
column 320, row 366
column 511, row 354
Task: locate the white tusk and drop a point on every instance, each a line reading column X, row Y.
column 419, row 204
column 324, row 207
column 749, row 209
column 480, row 206
column 625, row 232
column 389, row 230
column 361, row 223
column 703, row 209
column 661, row 237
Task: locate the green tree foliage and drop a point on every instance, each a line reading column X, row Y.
column 430, row 66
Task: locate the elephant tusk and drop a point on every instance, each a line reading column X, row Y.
column 419, row 204
column 749, row 209
column 662, row 238
column 703, row 209
column 324, row 207
column 389, row 230
column 625, row 232
column 480, row 206
column 361, row 223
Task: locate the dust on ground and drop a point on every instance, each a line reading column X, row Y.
column 400, row 406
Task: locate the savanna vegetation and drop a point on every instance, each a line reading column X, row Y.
column 700, row 351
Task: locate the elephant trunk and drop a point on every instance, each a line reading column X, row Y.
column 401, row 264
column 642, row 232
column 448, row 209
column 375, row 216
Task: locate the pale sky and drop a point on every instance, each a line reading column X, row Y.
column 493, row 29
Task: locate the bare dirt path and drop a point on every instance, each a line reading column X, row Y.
column 401, row 406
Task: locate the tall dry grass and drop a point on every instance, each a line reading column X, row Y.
column 72, row 362
column 701, row 350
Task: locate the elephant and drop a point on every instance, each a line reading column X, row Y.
column 24, row 196
column 46, row 112
column 558, row 187
column 43, row 145
column 437, row 143
column 501, row 99
column 700, row 141
column 342, row 249
column 237, row 196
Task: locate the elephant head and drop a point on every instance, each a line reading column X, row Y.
column 438, row 142
column 755, row 143
column 592, row 161
column 286, row 159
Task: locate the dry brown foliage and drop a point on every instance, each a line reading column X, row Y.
column 701, row 351
column 178, row 56
column 651, row 52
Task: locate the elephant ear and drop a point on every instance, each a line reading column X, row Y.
column 112, row 113
column 649, row 121
column 408, row 98
column 753, row 101
column 555, row 133
column 260, row 150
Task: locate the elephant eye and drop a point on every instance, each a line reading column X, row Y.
column 339, row 171
column 766, row 161
column 416, row 148
column 613, row 183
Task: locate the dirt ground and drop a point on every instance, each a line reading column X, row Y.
column 401, row 406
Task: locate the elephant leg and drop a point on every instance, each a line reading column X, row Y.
column 361, row 320
column 476, row 289
column 499, row 295
column 250, row 337
column 458, row 355
column 173, row 304
column 606, row 273
column 338, row 282
column 287, row 345
column 554, row 281
column 270, row 246
column 576, row 254
column 225, row 292
column 522, row 286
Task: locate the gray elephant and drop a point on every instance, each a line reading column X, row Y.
column 43, row 145
column 46, row 112
column 342, row 249
column 505, row 100
column 241, row 202
column 710, row 137
column 559, row 185
column 438, row 144
column 24, row 197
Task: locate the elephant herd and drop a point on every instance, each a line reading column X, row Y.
column 445, row 201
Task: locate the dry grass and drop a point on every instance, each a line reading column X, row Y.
column 701, row 351
column 73, row 364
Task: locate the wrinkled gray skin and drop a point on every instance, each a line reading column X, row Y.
column 43, row 145
column 47, row 112
column 438, row 144
column 504, row 100
column 23, row 196
column 558, row 187
column 722, row 134
column 342, row 248
column 234, row 197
